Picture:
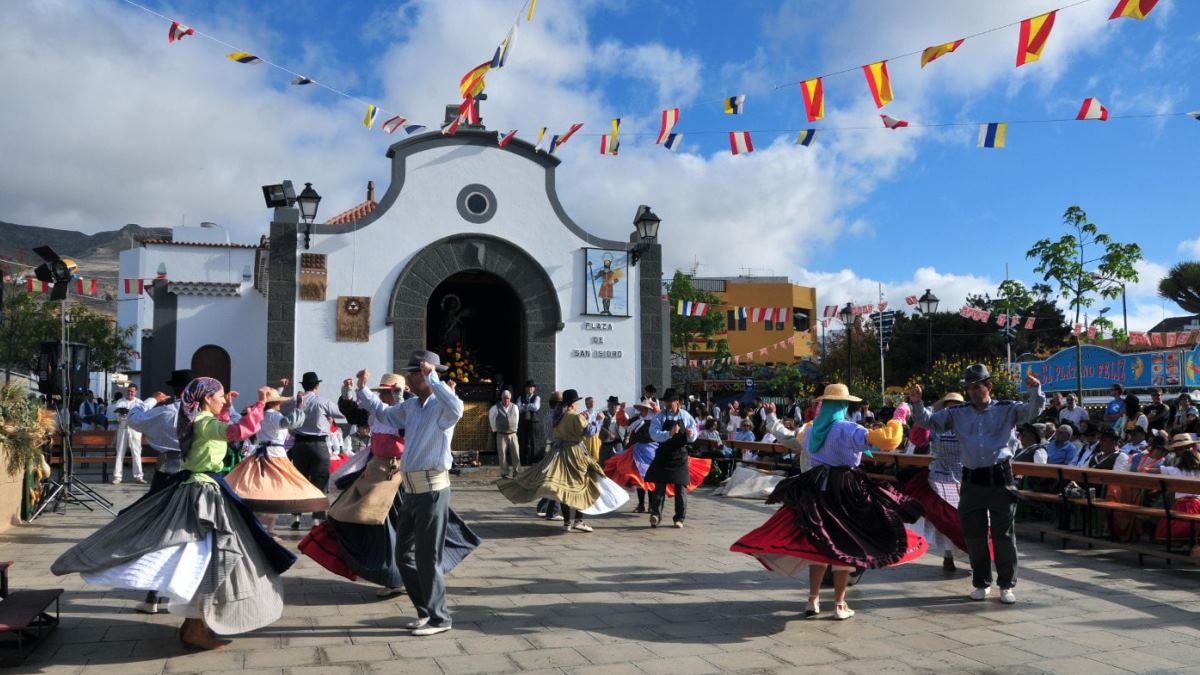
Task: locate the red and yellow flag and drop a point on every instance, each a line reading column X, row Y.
column 879, row 82
column 1134, row 9
column 472, row 83
column 1034, row 33
column 814, row 98
column 938, row 51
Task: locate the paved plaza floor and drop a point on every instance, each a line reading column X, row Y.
column 629, row 599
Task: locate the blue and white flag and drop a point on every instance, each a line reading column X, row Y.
column 673, row 141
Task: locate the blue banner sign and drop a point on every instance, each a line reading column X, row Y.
column 1102, row 368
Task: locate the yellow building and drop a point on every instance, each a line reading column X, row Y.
column 748, row 337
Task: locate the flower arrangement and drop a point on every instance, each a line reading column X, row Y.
column 461, row 364
column 24, row 429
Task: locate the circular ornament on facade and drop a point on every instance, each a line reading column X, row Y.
column 476, row 203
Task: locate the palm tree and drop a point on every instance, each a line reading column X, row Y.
column 1182, row 286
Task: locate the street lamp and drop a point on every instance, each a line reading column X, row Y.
column 928, row 304
column 647, row 230
column 847, row 316
column 308, row 201
column 1124, row 314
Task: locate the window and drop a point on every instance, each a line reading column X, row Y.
column 730, row 322
column 769, row 325
column 779, row 325
column 800, row 319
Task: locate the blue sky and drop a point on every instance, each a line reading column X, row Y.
column 152, row 133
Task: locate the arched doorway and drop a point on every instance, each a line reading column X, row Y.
column 474, row 320
column 212, row 361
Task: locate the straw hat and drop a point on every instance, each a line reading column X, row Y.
column 645, row 404
column 953, row 396
column 389, row 381
column 1182, row 441
column 275, row 397
column 837, row 392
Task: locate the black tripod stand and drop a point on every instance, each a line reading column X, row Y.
column 67, row 488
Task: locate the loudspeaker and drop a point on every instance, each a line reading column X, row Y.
column 50, row 365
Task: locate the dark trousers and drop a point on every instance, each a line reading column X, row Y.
column 421, row 542
column 528, row 438
column 979, row 506
column 660, row 495
column 548, row 506
column 641, row 498
column 567, row 511
column 310, row 454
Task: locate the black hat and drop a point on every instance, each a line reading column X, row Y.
column 975, row 374
column 614, row 400
column 530, row 383
column 309, row 380
column 415, row 359
column 569, row 396
column 650, row 388
column 179, row 379
column 1030, row 429
column 670, row 394
column 1108, row 432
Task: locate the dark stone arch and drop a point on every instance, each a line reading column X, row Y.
column 443, row 258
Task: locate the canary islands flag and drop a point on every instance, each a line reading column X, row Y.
column 733, row 104
column 992, row 135
column 244, row 57
column 369, row 118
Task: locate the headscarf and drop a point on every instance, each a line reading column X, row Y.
column 190, row 403
column 830, row 412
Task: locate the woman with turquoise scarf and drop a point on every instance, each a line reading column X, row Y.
column 834, row 515
column 194, row 540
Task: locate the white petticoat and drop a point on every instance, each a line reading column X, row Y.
column 750, row 483
column 612, row 497
column 175, row 571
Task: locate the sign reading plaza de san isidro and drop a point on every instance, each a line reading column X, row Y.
column 1102, row 368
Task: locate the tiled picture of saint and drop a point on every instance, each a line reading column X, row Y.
column 606, row 282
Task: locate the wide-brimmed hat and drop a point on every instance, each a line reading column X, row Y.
column 275, row 397
column 614, row 400
column 952, row 397
column 309, row 379
column 569, row 396
column 1109, row 432
column 837, row 392
column 1182, row 440
column 671, row 394
column 179, row 378
column 645, row 404
column 415, row 359
column 975, row 373
column 389, row 381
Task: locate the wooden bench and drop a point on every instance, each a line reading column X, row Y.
column 93, row 448
column 25, row 617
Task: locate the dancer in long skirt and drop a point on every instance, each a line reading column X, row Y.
column 937, row 489
column 568, row 473
column 628, row 468
column 834, row 514
column 360, row 540
column 194, row 540
column 265, row 478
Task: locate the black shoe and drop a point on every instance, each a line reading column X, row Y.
column 948, row 565
column 296, row 524
column 641, row 508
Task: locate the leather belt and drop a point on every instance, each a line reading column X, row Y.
column 999, row 475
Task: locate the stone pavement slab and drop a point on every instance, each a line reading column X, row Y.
column 630, row 599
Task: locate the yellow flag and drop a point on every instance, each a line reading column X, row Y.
column 532, row 4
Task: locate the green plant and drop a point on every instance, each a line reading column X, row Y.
column 22, row 429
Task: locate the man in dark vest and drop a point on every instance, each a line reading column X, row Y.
column 529, row 404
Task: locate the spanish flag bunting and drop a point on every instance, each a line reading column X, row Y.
column 740, row 143
column 393, row 124
column 244, row 57
column 472, row 83
column 1029, row 322
column 669, row 119
column 369, row 118
column 673, row 142
column 734, row 104
column 540, row 136
column 1092, row 110
column 85, row 286
column 893, row 123
column 301, row 80
column 1134, row 9
column 178, row 31
column 1156, row 339
column 993, row 134
column 532, row 4
column 814, row 99
column 806, row 137
column 937, row 51
column 1034, row 34
column 570, row 132
column 879, row 82
column 506, row 137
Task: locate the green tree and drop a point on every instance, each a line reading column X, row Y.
column 1182, row 286
column 788, row 380
column 27, row 322
column 109, row 344
column 1085, row 264
column 689, row 330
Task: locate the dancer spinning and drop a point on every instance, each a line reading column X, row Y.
column 833, row 514
column 568, row 473
column 266, row 479
column 628, row 469
column 673, row 470
column 937, row 489
column 194, row 540
column 361, row 537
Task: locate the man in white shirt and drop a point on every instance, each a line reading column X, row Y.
column 504, row 420
column 1072, row 413
column 127, row 438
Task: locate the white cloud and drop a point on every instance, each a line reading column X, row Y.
column 1190, row 247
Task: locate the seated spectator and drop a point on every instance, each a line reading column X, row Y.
column 1091, row 438
column 1048, row 429
column 1185, row 421
column 746, row 433
column 1106, row 453
column 1032, row 447
column 1187, row 466
column 1061, row 449
column 711, row 433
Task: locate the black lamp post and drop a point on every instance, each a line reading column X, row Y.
column 928, row 304
column 647, row 229
column 847, row 317
column 308, row 201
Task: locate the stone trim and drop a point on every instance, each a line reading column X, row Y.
column 438, row 261
column 281, row 295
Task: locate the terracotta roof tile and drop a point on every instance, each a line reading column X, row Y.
column 357, row 213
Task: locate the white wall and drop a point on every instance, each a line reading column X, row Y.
column 368, row 262
column 238, row 325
